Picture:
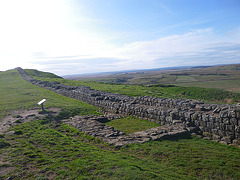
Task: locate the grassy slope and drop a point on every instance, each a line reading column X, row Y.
column 17, row 93
column 44, row 150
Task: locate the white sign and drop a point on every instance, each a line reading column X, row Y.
column 42, row 101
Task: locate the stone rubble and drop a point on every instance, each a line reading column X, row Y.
column 94, row 126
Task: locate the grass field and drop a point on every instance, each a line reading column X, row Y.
column 47, row 149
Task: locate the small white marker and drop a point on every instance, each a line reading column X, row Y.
column 41, row 103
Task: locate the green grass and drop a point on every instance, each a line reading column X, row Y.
column 192, row 156
column 17, row 93
column 62, row 152
column 131, row 124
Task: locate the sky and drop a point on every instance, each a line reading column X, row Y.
column 87, row 36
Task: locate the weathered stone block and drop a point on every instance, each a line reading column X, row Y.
column 222, row 127
column 207, row 134
column 226, row 139
column 223, row 114
column 210, row 125
column 214, row 131
column 233, row 121
column 212, row 119
column 230, row 128
column 169, row 119
column 237, row 129
column 216, row 137
column 221, row 133
column 203, row 123
column 238, row 114
column 237, row 135
column 223, row 142
column 236, row 142
column 230, row 135
column 226, row 120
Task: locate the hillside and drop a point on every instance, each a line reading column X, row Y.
column 226, row 77
column 45, row 148
column 16, row 93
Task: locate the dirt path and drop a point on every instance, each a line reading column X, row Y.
column 22, row 116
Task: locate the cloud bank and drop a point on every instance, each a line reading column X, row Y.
column 198, row 47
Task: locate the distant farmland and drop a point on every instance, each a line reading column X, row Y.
column 226, row 77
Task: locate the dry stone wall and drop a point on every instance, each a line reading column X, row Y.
column 217, row 122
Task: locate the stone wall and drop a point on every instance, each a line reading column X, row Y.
column 217, row 122
column 93, row 126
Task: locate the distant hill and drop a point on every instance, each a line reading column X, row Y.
column 225, row 77
column 89, row 75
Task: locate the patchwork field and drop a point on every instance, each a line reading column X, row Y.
column 226, row 77
column 45, row 148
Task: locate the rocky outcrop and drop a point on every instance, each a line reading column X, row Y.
column 217, row 122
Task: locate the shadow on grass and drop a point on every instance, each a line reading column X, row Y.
column 176, row 137
column 46, row 112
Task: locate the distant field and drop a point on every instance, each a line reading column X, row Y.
column 229, row 85
column 225, row 77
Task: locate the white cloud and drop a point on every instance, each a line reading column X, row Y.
column 177, row 47
column 29, row 27
column 167, row 46
column 199, row 47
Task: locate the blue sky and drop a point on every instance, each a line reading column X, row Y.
column 87, row 36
